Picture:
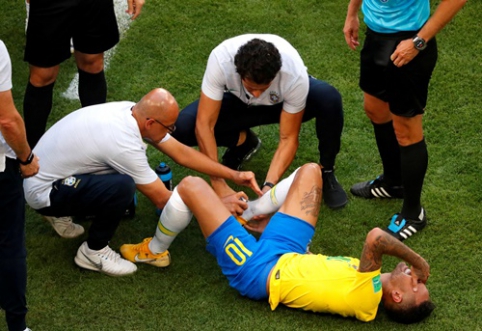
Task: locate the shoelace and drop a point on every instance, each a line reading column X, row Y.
column 109, row 254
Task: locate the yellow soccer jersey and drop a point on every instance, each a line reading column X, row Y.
column 325, row 284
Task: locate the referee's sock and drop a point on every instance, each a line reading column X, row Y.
column 414, row 167
column 37, row 104
column 92, row 88
column 389, row 150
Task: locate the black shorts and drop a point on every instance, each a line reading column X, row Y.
column 91, row 24
column 404, row 88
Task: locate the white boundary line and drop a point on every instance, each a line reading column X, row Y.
column 123, row 22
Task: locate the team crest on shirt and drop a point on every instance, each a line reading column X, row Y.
column 273, row 97
column 70, row 181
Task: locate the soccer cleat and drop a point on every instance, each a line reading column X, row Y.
column 65, row 227
column 333, row 194
column 403, row 228
column 141, row 253
column 377, row 188
column 105, row 260
column 234, row 157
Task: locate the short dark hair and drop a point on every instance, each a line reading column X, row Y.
column 411, row 314
column 258, row 60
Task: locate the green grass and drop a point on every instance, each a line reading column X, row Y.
column 168, row 46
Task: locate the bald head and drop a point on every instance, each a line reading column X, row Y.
column 159, row 104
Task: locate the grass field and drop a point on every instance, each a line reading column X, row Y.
column 168, row 46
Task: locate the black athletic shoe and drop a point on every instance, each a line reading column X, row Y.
column 377, row 188
column 333, row 194
column 234, row 157
column 403, row 228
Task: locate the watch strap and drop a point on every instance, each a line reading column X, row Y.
column 29, row 159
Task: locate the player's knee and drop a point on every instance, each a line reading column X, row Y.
column 311, row 169
column 192, row 185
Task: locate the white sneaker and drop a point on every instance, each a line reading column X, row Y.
column 106, row 260
column 65, row 227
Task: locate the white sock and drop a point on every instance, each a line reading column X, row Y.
column 271, row 201
column 175, row 217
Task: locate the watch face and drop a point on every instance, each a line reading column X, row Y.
column 419, row 43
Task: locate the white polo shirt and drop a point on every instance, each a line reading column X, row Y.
column 290, row 86
column 99, row 139
column 5, row 85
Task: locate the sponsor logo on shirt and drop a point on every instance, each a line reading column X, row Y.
column 377, row 284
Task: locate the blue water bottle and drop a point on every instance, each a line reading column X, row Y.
column 165, row 174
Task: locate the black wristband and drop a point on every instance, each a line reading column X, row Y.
column 28, row 161
column 271, row 185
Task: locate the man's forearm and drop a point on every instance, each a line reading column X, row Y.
column 353, row 8
column 379, row 243
column 444, row 13
column 283, row 157
column 14, row 133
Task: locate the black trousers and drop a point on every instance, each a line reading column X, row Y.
column 324, row 104
column 104, row 196
column 13, row 264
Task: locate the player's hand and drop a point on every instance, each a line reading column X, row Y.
column 236, row 203
column 350, row 30
column 31, row 169
column 134, row 8
column 258, row 223
column 248, row 179
column 420, row 275
column 404, row 53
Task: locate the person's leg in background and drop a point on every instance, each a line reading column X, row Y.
column 324, row 103
column 13, row 264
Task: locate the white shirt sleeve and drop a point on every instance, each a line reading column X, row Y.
column 5, row 69
column 213, row 80
column 295, row 97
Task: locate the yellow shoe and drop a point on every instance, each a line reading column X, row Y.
column 141, row 253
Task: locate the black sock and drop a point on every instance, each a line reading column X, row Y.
column 389, row 152
column 414, row 166
column 37, row 104
column 92, row 88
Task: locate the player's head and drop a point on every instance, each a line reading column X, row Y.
column 258, row 61
column 401, row 302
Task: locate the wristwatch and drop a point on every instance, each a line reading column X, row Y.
column 419, row 43
column 28, row 161
column 269, row 184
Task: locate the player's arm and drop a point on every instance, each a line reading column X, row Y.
column 13, row 130
column 289, row 129
column 352, row 24
column 379, row 243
